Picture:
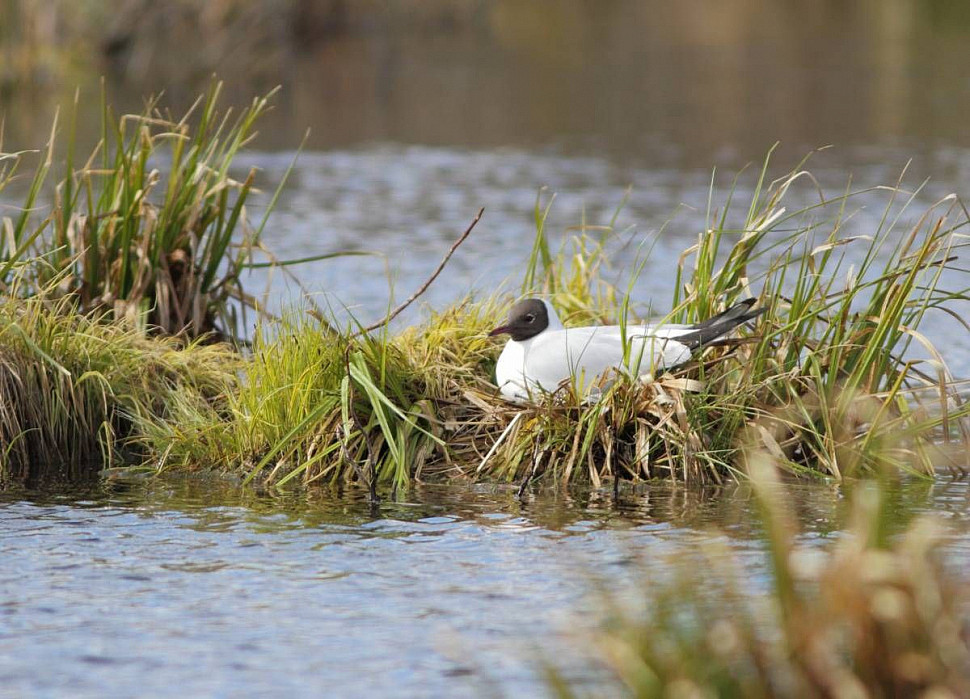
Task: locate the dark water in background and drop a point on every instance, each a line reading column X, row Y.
column 198, row 589
column 693, row 83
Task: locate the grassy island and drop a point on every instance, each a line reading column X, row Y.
column 120, row 342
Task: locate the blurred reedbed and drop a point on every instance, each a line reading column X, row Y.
column 866, row 615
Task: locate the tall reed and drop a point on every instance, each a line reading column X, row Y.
column 151, row 228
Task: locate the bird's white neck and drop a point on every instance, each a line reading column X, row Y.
column 554, row 322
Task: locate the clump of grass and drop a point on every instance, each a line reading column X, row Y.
column 827, row 377
column 826, row 380
column 146, row 237
column 74, row 390
column 321, row 405
column 122, row 240
column 870, row 615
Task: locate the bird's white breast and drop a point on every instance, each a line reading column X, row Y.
column 510, row 371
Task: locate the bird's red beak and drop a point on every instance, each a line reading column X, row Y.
column 500, row 330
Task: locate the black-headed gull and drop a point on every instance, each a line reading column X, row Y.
column 542, row 354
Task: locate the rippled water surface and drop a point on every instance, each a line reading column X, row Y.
column 198, row 589
column 195, row 588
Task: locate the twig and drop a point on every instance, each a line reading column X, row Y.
column 424, row 287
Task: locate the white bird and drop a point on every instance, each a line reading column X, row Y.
column 542, row 354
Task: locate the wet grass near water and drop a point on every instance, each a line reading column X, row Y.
column 871, row 613
column 140, row 250
column 825, row 380
column 120, row 347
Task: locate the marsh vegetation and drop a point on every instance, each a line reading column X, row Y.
column 145, row 241
column 755, row 521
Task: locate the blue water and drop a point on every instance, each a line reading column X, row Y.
column 195, row 588
column 198, row 589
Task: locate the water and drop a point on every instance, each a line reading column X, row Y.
column 199, row 589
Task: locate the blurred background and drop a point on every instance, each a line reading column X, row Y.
column 422, row 111
column 701, row 79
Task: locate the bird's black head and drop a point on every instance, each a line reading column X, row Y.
column 527, row 319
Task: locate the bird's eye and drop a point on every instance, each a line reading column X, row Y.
column 529, row 318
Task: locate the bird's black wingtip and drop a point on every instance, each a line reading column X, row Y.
column 721, row 324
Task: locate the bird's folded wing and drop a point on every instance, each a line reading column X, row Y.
column 584, row 354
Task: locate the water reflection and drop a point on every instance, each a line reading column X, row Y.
column 701, row 79
column 216, row 590
column 142, row 586
column 207, row 504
